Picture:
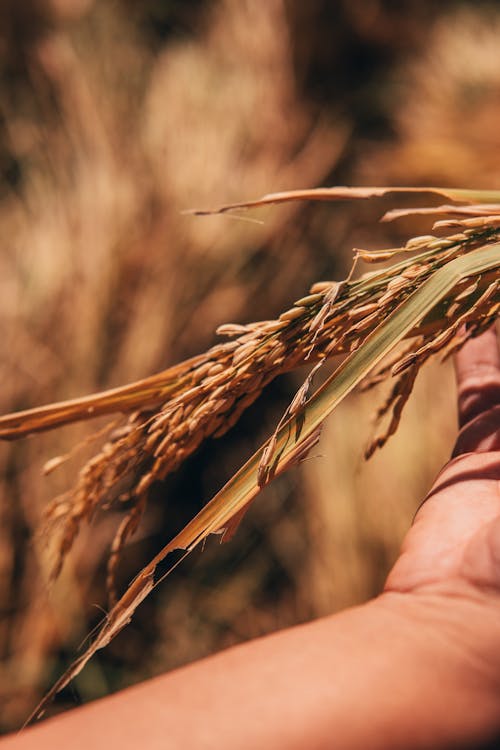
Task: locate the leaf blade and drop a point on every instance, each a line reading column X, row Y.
column 352, row 193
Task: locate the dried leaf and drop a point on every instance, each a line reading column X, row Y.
column 350, row 193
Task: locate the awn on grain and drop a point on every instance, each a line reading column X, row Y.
column 443, row 291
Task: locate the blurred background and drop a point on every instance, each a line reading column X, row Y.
column 115, row 116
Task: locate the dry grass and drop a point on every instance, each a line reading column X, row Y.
column 102, row 279
column 447, row 106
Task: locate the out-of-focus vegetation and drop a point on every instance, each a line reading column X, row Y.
column 116, row 116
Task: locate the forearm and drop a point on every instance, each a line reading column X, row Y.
column 378, row 676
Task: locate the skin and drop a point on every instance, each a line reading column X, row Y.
column 417, row 667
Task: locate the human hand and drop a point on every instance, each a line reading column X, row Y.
column 454, row 543
column 446, row 581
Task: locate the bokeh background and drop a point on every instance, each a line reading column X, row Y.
column 115, row 116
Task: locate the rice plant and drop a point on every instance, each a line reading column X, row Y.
column 436, row 292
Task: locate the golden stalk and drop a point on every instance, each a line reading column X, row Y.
column 439, row 292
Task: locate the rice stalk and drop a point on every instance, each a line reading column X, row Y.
column 205, row 396
column 436, row 287
column 295, row 437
